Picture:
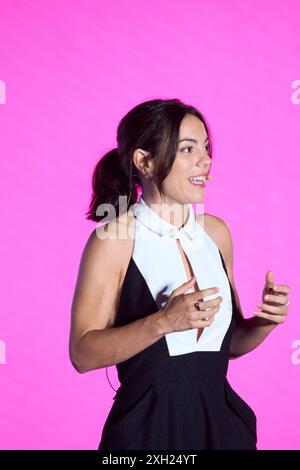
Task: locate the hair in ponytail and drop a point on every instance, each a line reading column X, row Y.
column 109, row 181
column 152, row 126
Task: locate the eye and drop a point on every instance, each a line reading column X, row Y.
column 190, row 147
column 184, row 148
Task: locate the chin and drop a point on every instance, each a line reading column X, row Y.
column 189, row 199
column 195, row 199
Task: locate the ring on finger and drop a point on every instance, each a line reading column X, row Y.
column 207, row 317
column 197, row 304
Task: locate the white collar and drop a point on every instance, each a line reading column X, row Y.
column 156, row 224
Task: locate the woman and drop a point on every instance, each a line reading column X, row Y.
column 155, row 293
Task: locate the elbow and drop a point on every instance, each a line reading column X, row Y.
column 82, row 358
column 78, row 366
column 77, row 361
column 234, row 356
column 80, row 362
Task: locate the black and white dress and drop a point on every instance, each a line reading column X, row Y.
column 174, row 395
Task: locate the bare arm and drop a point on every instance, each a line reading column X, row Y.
column 102, row 348
column 249, row 334
column 94, row 341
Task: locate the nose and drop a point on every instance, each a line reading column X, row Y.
column 204, row 161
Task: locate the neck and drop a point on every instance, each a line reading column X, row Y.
column 173, row 212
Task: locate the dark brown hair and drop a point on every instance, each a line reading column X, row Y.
column 152, row 126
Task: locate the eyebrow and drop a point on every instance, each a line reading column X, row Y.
column 191, row 140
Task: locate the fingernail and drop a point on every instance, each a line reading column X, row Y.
column 259, row 305
column 255, row 313
column 267, row 297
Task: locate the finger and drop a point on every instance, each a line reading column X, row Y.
column 269, row 279
column 184, row 287
column 270, row 308
column 279, row 299
column 204, row 315
column 273, row 318
column 209, row 304
column 203, row 293
column 203, row 323
column 281, row 288
column 209, row 314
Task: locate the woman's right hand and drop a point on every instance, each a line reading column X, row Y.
column 180, row 313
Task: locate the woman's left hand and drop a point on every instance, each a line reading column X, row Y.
column 275, row 301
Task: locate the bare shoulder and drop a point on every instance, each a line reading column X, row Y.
column 219, row 230
column 110, row 241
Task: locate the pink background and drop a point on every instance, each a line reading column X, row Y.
column 72, row 69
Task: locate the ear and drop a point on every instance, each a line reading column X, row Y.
column 142, row 161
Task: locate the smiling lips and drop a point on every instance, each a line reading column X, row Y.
column 199, row 180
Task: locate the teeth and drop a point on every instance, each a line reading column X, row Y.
column 198, row 179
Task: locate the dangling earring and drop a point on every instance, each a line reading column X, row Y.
column 149, row 174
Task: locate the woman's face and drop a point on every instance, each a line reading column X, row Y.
column 191, row 160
